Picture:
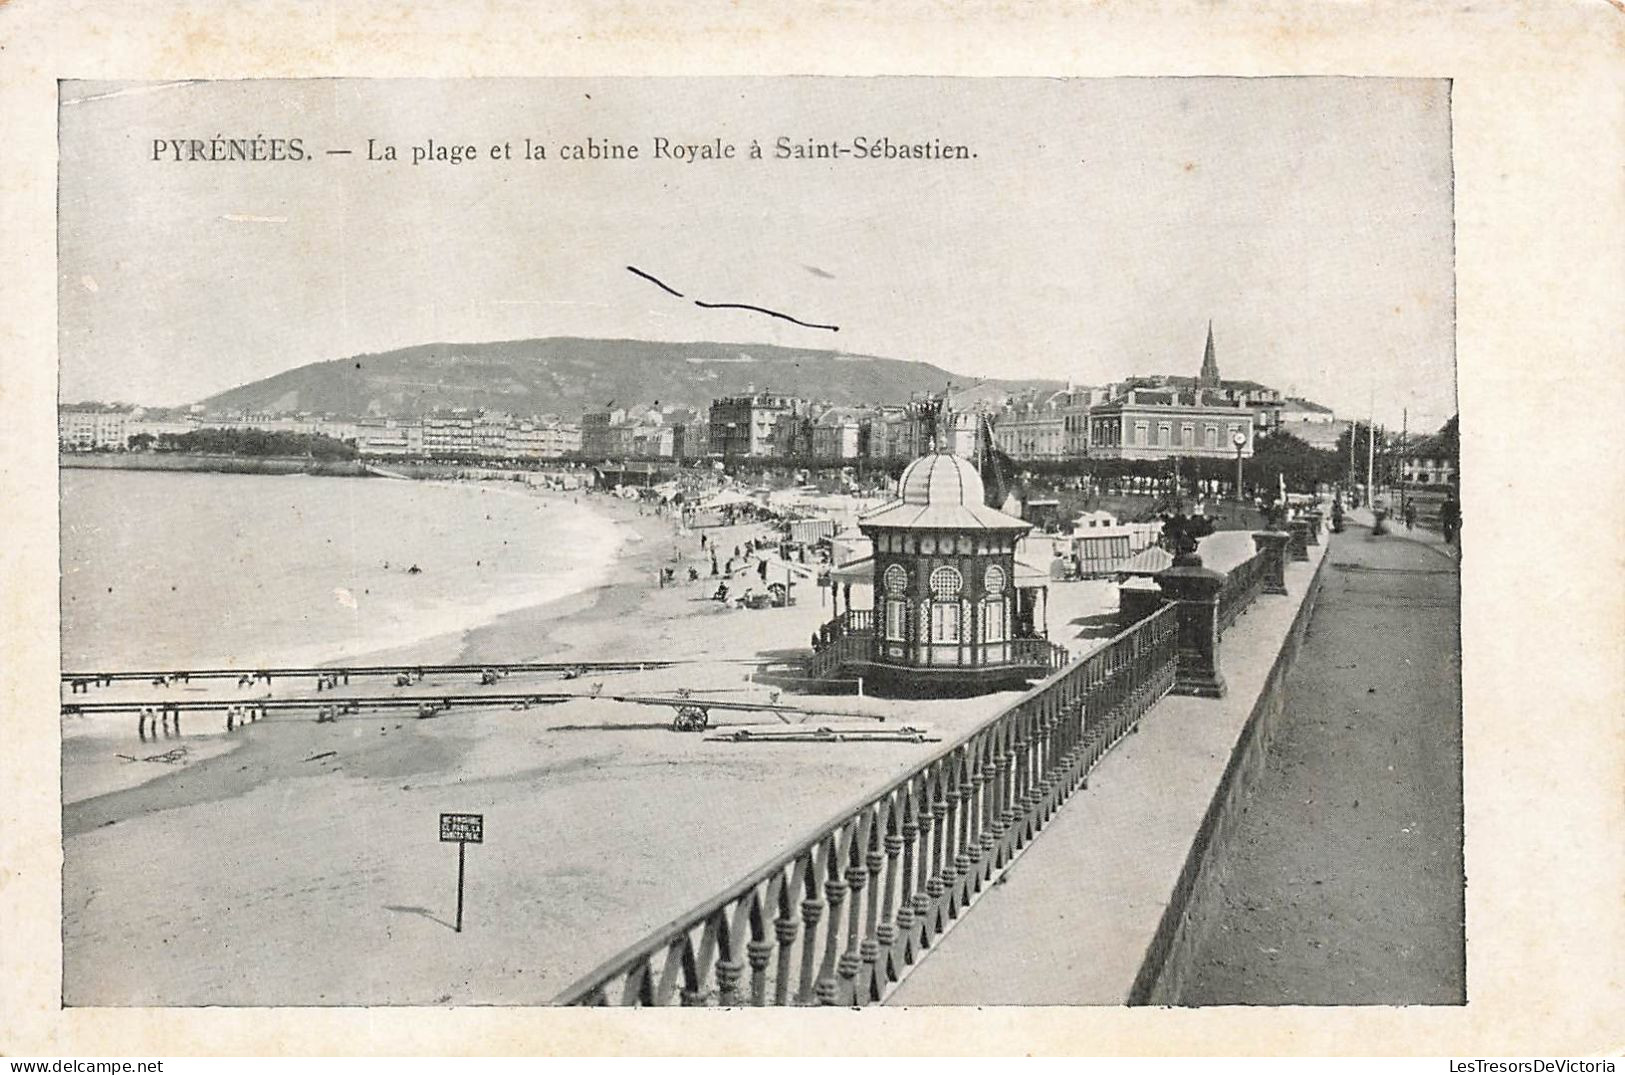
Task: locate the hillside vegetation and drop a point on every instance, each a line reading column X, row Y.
column 567, row 376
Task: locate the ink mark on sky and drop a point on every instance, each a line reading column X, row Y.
column 653, row 280
column 633, row 269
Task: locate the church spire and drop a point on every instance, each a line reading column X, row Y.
column 1209, row 377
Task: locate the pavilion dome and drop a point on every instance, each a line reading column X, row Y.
column 941, row 480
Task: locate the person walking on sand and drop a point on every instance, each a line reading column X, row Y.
column 1410, row 515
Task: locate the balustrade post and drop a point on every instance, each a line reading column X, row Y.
column 857, row 879
column 908, row 898
column 835, row 894
column 1002, row 814
column 729, row 967
column 1271, row 545
column 785, row 932
column 967, row 834
column 1012, row 803
column 930, row 846
column 812, row 912
column 987, row 808
column 1033, row 767
column 1298, row 546
column 758, row 953
column 879, row 935
column 947, row 866
column 1052, row 752
column 1195, row 589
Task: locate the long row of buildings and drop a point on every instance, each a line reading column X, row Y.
column 1143, row 418
column 450, row 435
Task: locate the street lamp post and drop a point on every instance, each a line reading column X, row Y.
column 1239, row 439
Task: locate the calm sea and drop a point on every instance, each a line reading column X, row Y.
column 183, row 570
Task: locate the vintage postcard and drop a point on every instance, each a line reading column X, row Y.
column 535, row 540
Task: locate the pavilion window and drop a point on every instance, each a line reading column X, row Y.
column 994, row 627
column 946, row 585
column 896, row 619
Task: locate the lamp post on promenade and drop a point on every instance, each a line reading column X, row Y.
column 1239, row 439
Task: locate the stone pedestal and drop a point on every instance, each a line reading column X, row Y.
column 1314, row 526
column 1196, row 591
column 1298, row 545
column 1272, row 545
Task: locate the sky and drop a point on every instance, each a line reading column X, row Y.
column 1099, row 227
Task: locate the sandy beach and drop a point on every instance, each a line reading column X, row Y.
column 303, row 866
column 324, row 882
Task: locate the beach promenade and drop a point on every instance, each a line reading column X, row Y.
column 1338, row 876
column 1074, row 919
column 1342, row 880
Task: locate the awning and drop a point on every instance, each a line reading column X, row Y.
column 1029, row 577
column 852, row 573
column 1147, row 562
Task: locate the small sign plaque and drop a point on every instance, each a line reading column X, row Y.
column 462, row 828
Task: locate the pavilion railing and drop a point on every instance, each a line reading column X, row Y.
column 840, row 651
column 1242, row 585
column 1040, row 653
column 843, row 914
column 857, row 621
column 848, row 638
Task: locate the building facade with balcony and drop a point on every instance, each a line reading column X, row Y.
column 94, row 427
column 396, row 438
column 760, row 426
column 1034, row 428
column 450, row 435
column 836, row 434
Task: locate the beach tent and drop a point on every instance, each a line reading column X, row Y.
column 727, row 498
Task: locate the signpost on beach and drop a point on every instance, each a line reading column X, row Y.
column 463, row 829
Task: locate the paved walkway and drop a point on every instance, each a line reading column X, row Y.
column 1342, row 880
column 1362, row 518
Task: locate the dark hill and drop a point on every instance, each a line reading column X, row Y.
column 566, row 376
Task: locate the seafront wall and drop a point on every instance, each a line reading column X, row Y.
column 1181, row 930
column 213, row 464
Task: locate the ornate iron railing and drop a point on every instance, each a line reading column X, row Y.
column 1242, row 585
column 842, row 915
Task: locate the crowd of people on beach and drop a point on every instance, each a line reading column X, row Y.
column 749, row 562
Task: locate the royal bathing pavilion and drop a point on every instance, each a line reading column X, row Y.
column 950, row 613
